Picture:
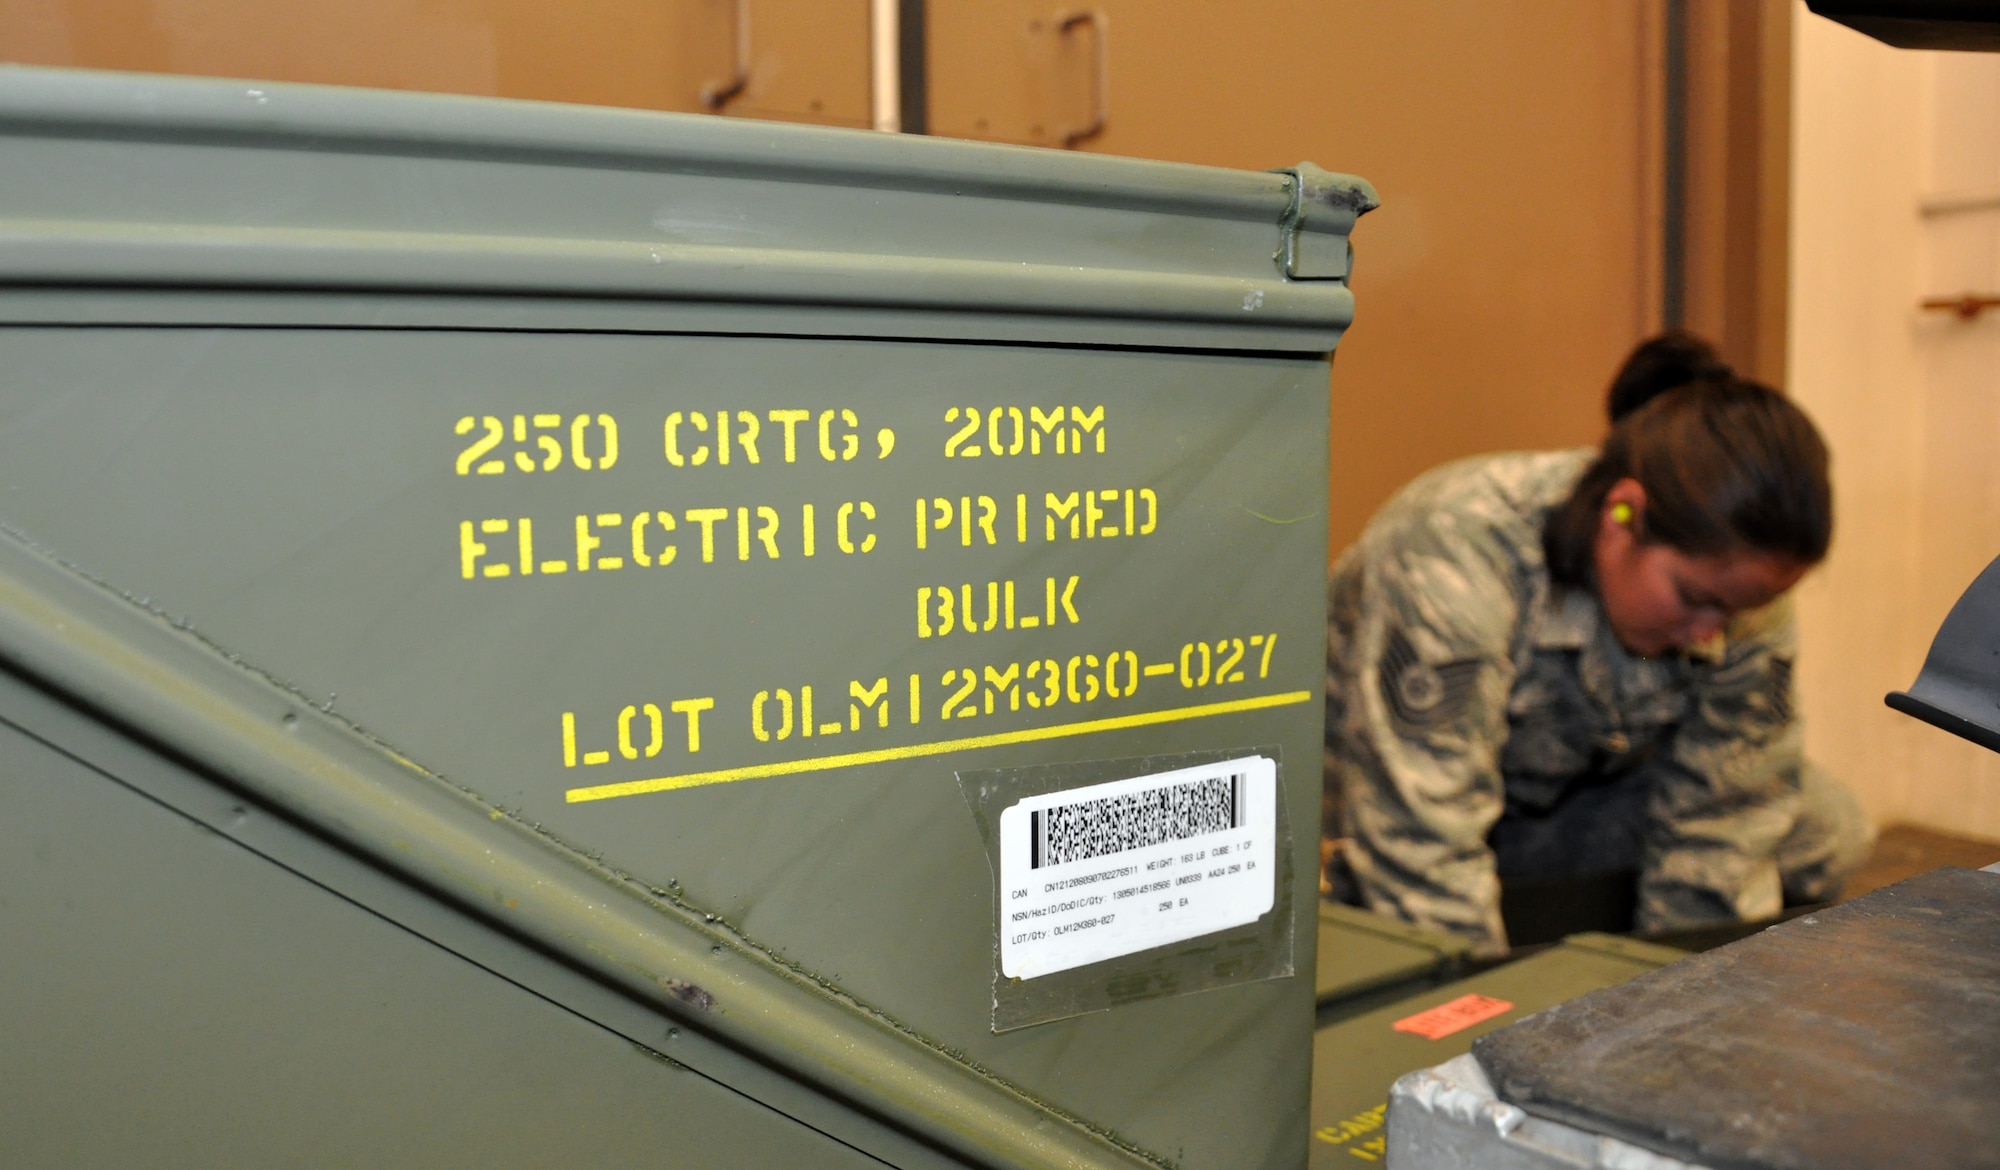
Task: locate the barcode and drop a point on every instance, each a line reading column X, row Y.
column 1114, row 824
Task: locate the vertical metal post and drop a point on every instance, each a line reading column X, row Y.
column 912, row 70
column 885, row 64
column 717, row 95
column 1673, row 234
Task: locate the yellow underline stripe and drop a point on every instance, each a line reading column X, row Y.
column 919, row 750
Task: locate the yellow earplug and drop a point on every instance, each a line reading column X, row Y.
column 1622, row 513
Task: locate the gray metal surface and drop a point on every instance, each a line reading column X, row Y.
column 255, row 338
column 1449, row 1118
column 1866, row 1035
column 1958, row 25
column 1958, row 686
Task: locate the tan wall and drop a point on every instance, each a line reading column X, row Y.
column 809, row 58
column 1513, row 261
column 1907, row 399
column 1518, row 148
column 1738, row 118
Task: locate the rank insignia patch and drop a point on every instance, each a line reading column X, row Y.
column 1419, row 693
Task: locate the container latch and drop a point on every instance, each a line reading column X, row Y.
column 1312, row 241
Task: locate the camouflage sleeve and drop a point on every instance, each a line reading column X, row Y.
column 1728, row 791
column 1419, row 668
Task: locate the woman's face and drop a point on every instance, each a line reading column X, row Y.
column 1660, row 600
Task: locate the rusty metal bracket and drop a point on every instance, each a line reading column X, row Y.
column 1968, row 306
column 718, row 94
column 1100, row 76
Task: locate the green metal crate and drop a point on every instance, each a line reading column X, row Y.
column 601, row 539
column 1363, row 956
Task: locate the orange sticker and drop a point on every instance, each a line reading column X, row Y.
column 1456, row 1016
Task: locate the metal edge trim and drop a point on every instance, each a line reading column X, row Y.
column 78, row 102
column 1944, row 720
column 1632, row 950
column 83, row 307
column 67, row 253
column 133, row 669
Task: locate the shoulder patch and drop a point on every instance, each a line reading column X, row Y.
column 1420, row 694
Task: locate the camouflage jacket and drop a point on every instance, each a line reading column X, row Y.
column 1460, row 681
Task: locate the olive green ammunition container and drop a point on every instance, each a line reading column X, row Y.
column 1366, row 958
column 506, row 610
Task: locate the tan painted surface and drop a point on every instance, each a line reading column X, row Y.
column 1738, row 154
column 808, row 58
column 1515, row 147
column 1910, row 401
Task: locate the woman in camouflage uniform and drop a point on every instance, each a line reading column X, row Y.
column 1580, row 662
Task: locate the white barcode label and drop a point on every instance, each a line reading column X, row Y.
column 1094, row 873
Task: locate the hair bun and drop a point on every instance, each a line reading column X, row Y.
column 1660, row 364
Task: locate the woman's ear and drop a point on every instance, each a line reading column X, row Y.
column 1624, row 508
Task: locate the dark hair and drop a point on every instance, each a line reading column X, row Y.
column 1726, row 464
column 1659, row 364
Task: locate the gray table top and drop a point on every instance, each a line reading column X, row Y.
column 1867, row 1035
